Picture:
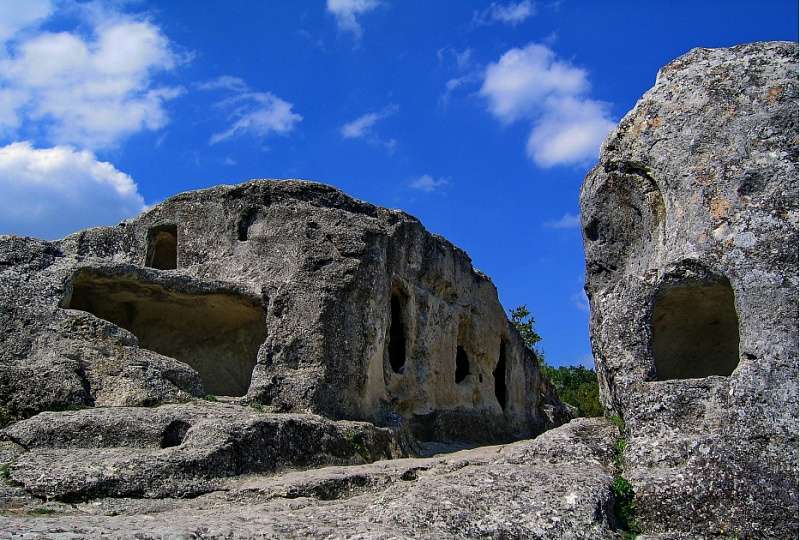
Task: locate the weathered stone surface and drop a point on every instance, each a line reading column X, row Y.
column 691, row 235
column 179, row 450
column 555, row 486
column 286, row 294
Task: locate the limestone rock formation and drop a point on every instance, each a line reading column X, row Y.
column 179, row 450
column 288, row 295
column 554, row 486
column 690, row 225
column 336, row 333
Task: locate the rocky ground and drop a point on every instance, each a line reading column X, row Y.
column 555, row 486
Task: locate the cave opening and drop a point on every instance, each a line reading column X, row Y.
column 462, row 364
column 499, row 375
column 217, row 334
column 246, row 221
column 695, row 330
column 397, row 335
column 162, row 247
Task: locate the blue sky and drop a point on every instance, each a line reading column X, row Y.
column 480, row 118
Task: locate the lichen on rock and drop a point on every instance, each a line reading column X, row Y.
column 690, row 225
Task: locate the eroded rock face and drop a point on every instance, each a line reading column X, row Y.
column 286, row 294
column 690, row 225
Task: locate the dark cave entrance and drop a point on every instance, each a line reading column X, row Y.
column 162, row 247
column 217, row 334
column 462, row 364
column 397, row 334
column 695, row 331
column 499, row 375
column 466, row 331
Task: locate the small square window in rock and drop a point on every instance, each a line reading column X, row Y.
column 695, row 330
column 162, row 247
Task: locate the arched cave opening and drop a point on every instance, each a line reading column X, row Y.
column 162, row 247
column 695, row 331
column 462, row 364
column 217, row 334
column 397, row 334
column 499, row 375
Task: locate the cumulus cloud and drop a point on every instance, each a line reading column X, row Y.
column 428, row 183
column 511, row 13
column 52, row 192
column 15, row 16
column 571, row 131
column 90, row 90
column 257, row 114
column 346, row 12
column 567, row 221
column 532, row 84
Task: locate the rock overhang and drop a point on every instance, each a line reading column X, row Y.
column 215, row 330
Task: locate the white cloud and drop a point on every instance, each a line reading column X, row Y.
column 532, row 84
column 567, row 221
column 362, row 126
column 87, row 90
column 15, row 16
column 580, row 301
column 512, row 13
column 522, row 79
column 455, row 83
column 257, row 114
column 225, row 82
column 52, row 192
column 571, row 131
column 346, row 12
column 463, row 59
column 429, row 184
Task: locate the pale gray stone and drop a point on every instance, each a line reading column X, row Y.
column 691, row 237
column 286, row 294
column 555, row 486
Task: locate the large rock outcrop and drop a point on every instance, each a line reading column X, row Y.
column 690, row 225
column 288, row 295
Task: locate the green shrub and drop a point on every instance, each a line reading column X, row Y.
column 619, row 451
column 619, row 422
column 576, row 385
column 625, row 506
column 355, row 440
